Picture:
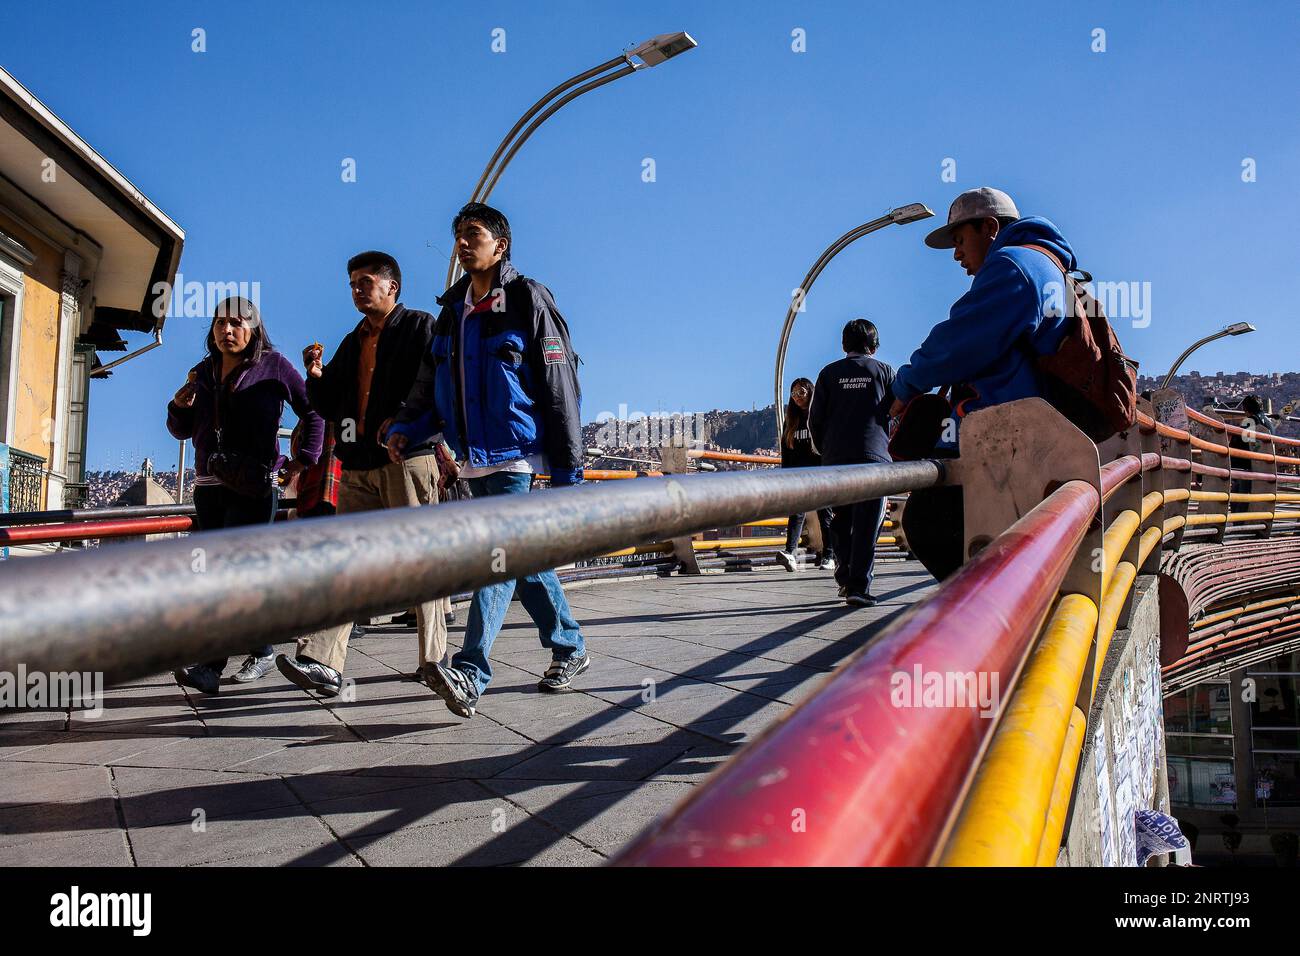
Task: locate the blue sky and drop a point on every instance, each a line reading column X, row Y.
column 675, row 290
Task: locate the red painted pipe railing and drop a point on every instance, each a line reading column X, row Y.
column 86, row 530
column 871, row 783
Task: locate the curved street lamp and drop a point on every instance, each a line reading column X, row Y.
column 1237, row 328
column 652, row 52
column 912, row 212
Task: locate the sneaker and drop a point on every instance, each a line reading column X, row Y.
column 559, row 676
column 454, row 687
column 787, row 560
column 826, row 563
column 859, row 599
column 199, row 676
column 420, row 673
column 254, row 668
column 310, row 675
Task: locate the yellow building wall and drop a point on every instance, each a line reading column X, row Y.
column 38, row 347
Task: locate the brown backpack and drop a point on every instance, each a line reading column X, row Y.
column 1088, row 379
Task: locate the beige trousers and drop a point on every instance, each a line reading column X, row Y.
column 412, row 483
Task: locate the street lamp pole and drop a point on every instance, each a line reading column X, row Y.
column 652, row 52
column 1237, row 328
column 900, row 216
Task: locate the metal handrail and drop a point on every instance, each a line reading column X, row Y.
column 148, row 607
column 847, row 756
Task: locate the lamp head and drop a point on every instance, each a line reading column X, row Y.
column 665, row 46
column 1239, row 328
column 912, row 212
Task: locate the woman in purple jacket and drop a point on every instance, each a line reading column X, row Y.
column 231, row 405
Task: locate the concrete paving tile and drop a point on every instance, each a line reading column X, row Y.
column 94, row 848
column 461, row 843
column 39, row 822
column 151, row 797
column 314, row 787
column 633, row 757
column 567, row 852
column 384, row 811
column 336, row 754
column 94, row 748
column 243, row 836
column 534, row 795
column 452, row 761
column 72, row 782
column 14, row 722
column 611, row 819
column 204, row 753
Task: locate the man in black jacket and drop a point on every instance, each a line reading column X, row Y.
column 360, row 391
column 849, row 418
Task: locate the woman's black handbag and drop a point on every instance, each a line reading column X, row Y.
column 240, row 473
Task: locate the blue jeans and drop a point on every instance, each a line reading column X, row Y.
column 540, row 594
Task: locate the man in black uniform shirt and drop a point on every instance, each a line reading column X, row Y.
column 849, row 419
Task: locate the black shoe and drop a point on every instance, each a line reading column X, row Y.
column 844, row 592
column 449, row 617
column 406, row 619
column 454, row 687
column 199, row 676
column 310, row 675
column 559, row 676
column 859, row 599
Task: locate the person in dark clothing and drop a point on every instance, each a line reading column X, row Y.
column 500, row 384
column 1255, row 423
column 232, row 404
column 358, row 392
column 797, row 452
column 848, row 418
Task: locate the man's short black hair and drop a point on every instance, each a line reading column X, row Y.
column 860, row 335
column 493, row 220
column 378, row 263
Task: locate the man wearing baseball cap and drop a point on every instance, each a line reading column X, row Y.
column 987, row 345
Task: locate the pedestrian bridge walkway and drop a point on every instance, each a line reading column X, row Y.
column 685, row 670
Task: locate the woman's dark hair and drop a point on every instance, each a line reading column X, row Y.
column 259, row 343
column 493, row 220
column 795, row 417
column 860, row 335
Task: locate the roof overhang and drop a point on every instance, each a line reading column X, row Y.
column 140, row 245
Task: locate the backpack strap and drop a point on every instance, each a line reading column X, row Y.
column 1050, row 254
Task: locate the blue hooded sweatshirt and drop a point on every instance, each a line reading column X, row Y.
column 1015, row 303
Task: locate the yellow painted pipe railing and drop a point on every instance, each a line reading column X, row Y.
column 1002, row 821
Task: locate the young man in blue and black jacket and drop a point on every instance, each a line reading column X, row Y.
column 500, row 383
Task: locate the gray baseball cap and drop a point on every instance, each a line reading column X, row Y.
column 972, row 204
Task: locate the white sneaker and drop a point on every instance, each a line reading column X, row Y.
column 787, row 560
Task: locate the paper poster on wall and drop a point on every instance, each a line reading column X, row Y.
column 1105, row 820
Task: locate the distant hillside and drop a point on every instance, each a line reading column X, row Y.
column 747, row 431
